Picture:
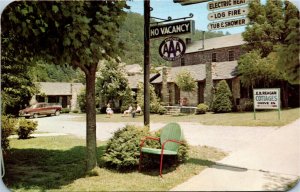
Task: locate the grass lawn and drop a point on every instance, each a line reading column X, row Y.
column 263, row 118
column 57, row 164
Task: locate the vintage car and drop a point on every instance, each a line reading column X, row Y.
column 41, row 109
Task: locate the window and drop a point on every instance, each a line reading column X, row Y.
column 230, row 55
column 214, row 57
column 182, row 62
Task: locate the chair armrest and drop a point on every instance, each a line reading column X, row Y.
column 147, row 138
column 171, row 140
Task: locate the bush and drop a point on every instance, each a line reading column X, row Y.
column 202, row 108
column 26, row 127
column 222, row 101
column 75, row 111
column 123, row 150
column 81, row 101
column 162, row 110
column 65, row 110
column 8, row 127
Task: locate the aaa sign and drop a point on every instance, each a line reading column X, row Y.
column 172, row 48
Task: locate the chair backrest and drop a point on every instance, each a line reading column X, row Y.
column 171, row 131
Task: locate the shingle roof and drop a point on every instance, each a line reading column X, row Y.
column 220, row 70
column 216, row 43
column 57, row 88
column 133, row 69
column 133, row 80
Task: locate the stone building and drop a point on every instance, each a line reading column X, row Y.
column 208, row 61
column 59, row 92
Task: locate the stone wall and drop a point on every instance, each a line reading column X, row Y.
column 75, row 90
column 203, row 57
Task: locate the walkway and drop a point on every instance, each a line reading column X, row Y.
column 269, row 164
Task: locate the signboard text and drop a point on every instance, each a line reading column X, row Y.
column 172, row 48
column 228, row 13
column 228, row 23
column 266, row 98
column 222, row 4
column 177, row 28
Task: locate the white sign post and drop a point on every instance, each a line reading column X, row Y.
column 268, row 98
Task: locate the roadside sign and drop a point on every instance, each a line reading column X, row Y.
column 228, row 23
column 228, row 13
column 268, row 98
column 189, row 2
column 223, row 4
column 172, row 48
column 177, row 28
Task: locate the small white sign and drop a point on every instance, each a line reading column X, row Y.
column 266, row 98
column 228, row 23
column 223, row 4
column 228, row 13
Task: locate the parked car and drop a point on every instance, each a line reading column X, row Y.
column 41, row 109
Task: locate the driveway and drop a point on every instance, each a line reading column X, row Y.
column 226, row 138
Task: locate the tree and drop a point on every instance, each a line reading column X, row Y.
column 274, row 27
column 112, row 84
column 266, row 26
column 289, row 51
column 222, row 101
column 155, row 105
column 17, row 85
column 185, row 81
column 255, row 70
column 77, row 33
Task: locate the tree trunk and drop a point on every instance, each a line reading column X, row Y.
column 91, row 143
column 284, row 94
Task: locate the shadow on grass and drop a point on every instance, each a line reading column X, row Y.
column 41, row 169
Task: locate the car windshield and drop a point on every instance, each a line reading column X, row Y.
column 33, row 106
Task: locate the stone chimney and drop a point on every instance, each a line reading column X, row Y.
column 208, row 91
column 164, row 88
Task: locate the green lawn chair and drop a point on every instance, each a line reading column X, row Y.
column 170, row 138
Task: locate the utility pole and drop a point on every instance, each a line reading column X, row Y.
column 146, row 62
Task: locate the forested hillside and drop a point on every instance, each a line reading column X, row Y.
column 131, row 37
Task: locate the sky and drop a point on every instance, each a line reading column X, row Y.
column 165, row 8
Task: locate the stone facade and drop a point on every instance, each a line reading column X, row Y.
column 203, row 57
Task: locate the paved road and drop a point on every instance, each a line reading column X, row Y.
column 227, row 138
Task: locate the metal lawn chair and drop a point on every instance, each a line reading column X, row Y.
column 170, row 138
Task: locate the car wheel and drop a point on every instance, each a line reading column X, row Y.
column 35, row 115
column 57, row 113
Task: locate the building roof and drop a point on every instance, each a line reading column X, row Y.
column 133, row 80
column 133, row 69
column 58, row 88
column 220, row 70
column 216, row 43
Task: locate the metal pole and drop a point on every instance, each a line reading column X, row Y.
column 146, row 62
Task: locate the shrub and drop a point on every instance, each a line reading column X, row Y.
column 81, row 101
column 202, row 108
column 8, row 127
column 65, row 110
column 123, row 150
column 75, row 111
column 155, row 105
column 26, row 127
column 162, row 110
column 222, row 101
